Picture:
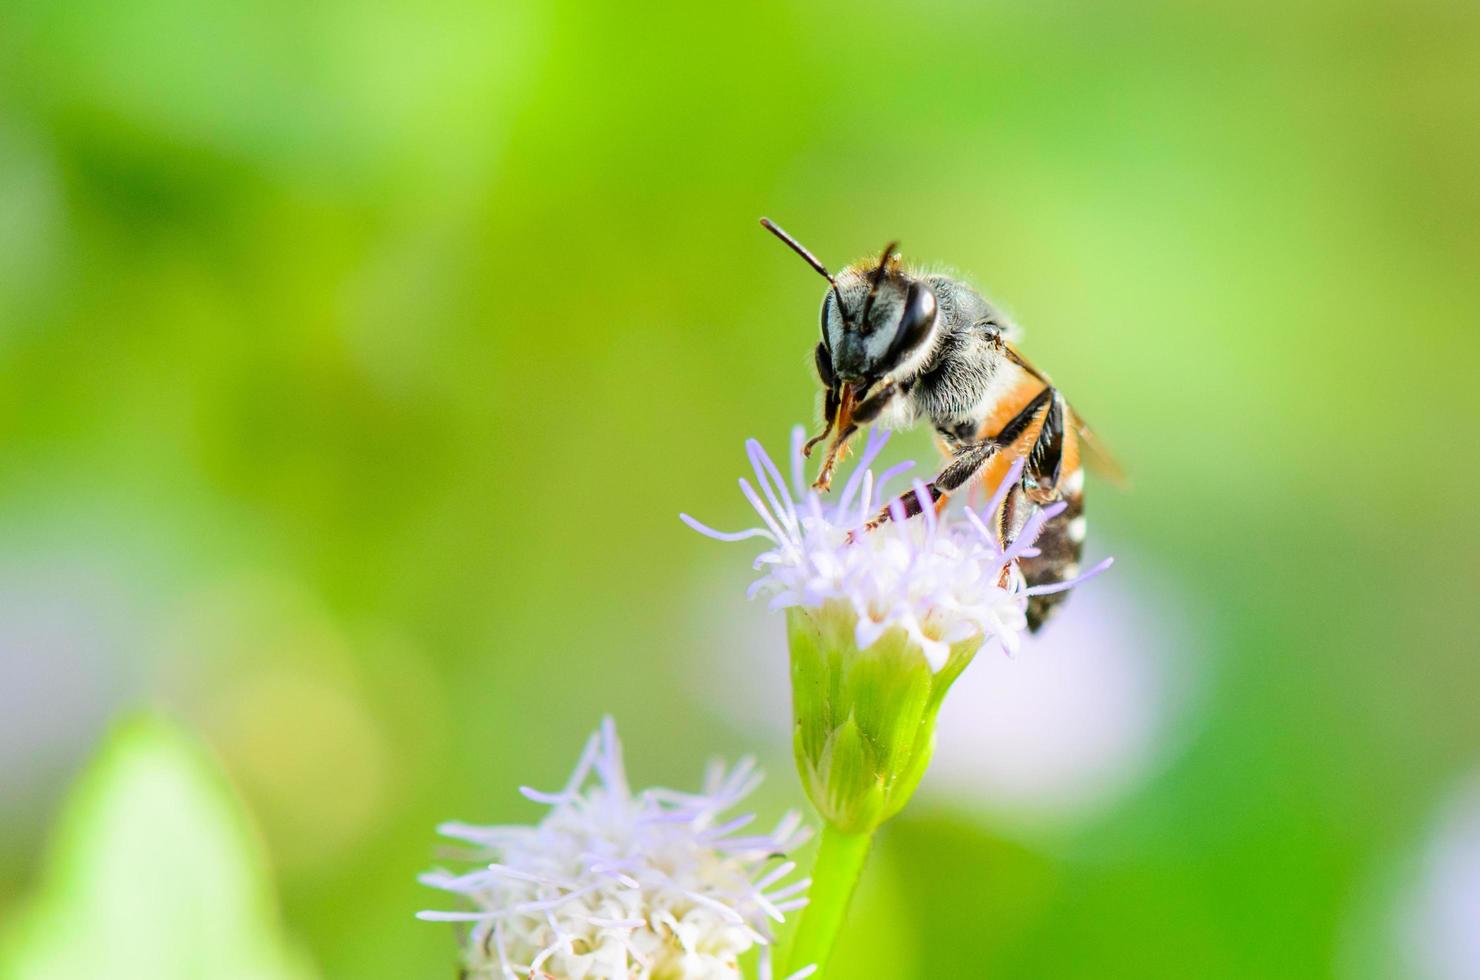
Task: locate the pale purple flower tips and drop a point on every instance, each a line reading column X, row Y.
column 615, row 883
column 942, row 580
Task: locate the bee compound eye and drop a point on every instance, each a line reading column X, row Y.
column 918, row 318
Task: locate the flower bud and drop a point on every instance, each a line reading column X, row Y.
column 881, row 619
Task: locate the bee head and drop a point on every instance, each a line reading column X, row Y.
column 878, row 321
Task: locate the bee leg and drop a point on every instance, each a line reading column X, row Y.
column 1059, row 544
column 868, row 409
column 1041, row 466
column 967, row 463
column 958, row 472
column 829, row 413
column 1061, row 540
column 1041, row 471
column 830, row 461
column 864, row 412
column 830, row 399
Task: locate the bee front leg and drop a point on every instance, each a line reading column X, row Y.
column 829, row 414
column 830, row 400
column 870, row 408
column 863, row 413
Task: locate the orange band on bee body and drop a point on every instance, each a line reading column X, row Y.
column 1005, row 411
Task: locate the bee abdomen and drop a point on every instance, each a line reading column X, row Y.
column 1060, row 544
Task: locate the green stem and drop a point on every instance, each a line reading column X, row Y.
column 840, row 857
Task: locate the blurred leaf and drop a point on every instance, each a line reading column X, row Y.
column 154, row 873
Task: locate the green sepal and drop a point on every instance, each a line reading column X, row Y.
column 864, row 720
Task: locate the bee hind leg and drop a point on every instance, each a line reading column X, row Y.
column 1060, row 542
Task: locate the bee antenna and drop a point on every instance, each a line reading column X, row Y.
column 809, row 258
column 797, row 247
column 878, row 276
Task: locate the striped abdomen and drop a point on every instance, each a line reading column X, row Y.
column 1061, row 541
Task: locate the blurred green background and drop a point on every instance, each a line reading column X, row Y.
column 355, row 359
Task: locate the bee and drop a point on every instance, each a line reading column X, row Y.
column 901, row 346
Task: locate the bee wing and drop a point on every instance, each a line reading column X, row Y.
column 1016, row 356
column 1093, row 452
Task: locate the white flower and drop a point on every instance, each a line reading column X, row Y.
column 942, row 579
column 616, row 884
